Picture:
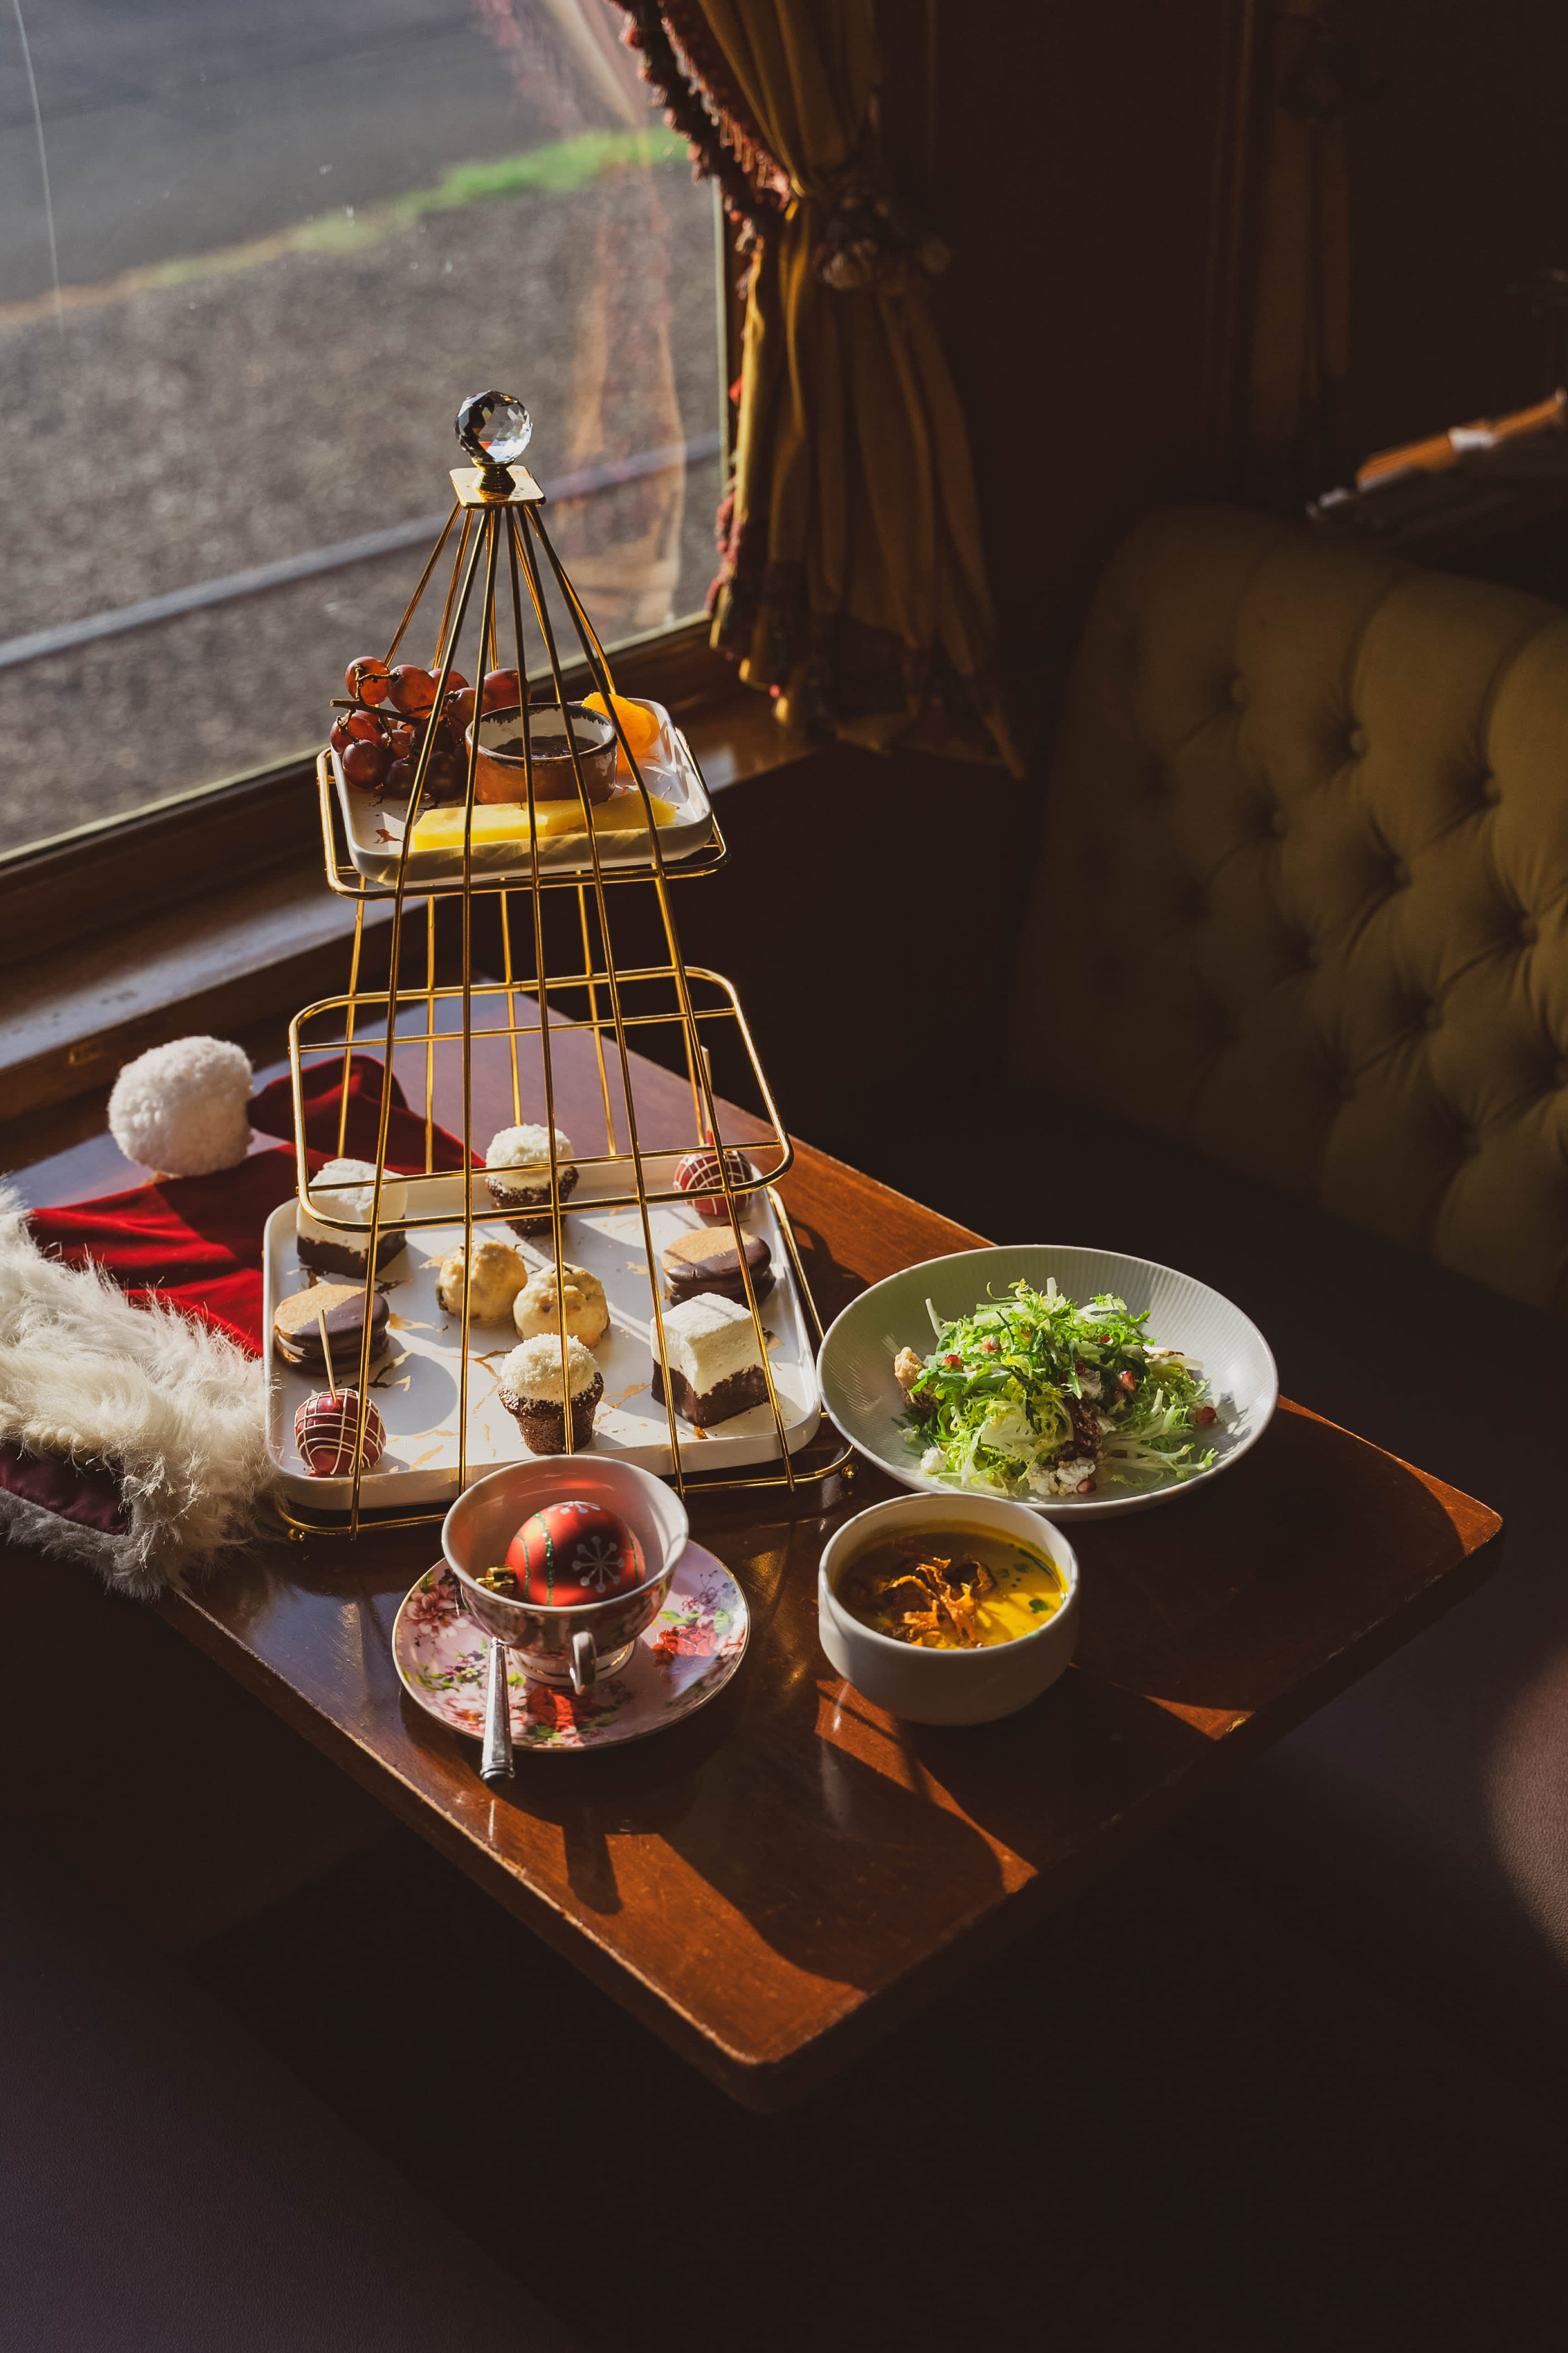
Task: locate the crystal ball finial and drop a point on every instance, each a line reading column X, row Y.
column 494, row 428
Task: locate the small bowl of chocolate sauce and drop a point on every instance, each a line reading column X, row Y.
column 502, row 768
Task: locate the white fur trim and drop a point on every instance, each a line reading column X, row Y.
column 180, row 1108
column 177, row 1412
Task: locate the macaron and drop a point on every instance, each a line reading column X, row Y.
column 295, row 1333
column 697, row 1261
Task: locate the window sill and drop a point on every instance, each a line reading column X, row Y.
column 237, row 959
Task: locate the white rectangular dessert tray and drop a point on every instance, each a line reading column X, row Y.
column 416, row 1394
column 374, row 833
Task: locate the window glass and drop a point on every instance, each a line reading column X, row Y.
column 255, row 257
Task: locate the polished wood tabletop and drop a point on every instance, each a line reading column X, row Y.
column 771, row 1881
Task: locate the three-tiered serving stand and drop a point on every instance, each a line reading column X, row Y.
column 499, row 548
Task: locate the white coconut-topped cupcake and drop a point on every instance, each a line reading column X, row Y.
column 346, row 1190
column 531, row 1388
column 517, row 1175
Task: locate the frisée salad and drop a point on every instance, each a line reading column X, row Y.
column 1031, row 1396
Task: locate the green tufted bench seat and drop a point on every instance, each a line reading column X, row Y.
column 1305, row 884
column 1291, row 1011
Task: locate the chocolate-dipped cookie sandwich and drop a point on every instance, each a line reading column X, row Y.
column 516, row 1176
column 715, row 1361
column 530, row 1390
column 297, row 1331
column 695, row 1263
column 538, row 1305
column 345, row 1189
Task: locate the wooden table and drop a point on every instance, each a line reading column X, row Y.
column 773, row 1881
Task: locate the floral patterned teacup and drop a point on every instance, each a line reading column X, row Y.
column 575, row 1643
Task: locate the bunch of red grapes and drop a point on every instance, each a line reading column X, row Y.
column 379, row 746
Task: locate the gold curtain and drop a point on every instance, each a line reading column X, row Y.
column 855, row 584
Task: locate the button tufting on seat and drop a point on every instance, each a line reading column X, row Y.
column 1390, row 719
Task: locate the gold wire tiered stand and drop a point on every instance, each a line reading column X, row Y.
column 499, row 547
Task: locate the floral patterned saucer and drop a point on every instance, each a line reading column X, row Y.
column 678, row 1664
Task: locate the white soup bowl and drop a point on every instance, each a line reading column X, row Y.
column 969, row 1687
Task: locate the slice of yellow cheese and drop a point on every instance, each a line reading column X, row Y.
column 499, row 823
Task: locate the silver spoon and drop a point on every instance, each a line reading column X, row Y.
column 496, row 1764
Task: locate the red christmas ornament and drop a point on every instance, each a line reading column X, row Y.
column 324, row 1430
column 703, row 1169
column 572, row 1553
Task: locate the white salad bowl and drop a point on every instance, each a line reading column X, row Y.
column 947, row 1686
column 855, row 1364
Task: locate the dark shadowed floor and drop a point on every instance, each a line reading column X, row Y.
column 1167, row 2120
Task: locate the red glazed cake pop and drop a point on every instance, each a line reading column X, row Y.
column 572, row 1553
column 701, row 1168
column 324, row 1432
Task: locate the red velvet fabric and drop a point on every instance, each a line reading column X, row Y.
column 196, row 1241
column 88, row 1492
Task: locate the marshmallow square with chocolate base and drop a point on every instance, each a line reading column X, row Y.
column 516, row 1176
column 346, row 1190
column 715, row 1360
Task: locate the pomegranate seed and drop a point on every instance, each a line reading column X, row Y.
column 1204, row 1415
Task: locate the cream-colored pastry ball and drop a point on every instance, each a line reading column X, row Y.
column 498, row 1276
column 536, row 1309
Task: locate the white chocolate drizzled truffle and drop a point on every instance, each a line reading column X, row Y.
column 528, row 1147
column 534, row 1370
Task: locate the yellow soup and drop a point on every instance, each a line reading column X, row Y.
column 951, row 1588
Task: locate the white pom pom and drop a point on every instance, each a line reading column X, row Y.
column 180, row 1108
